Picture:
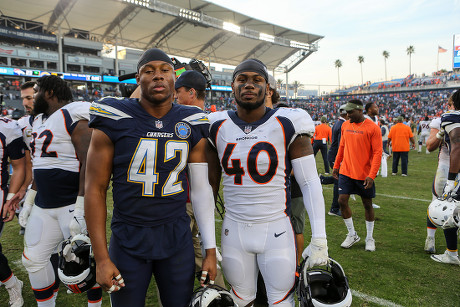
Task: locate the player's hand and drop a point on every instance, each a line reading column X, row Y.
column 108, row 276
column 335, row 173
column 209, row 267
column 448, row 188
column 16, row 199
column 368, row 183
column 78, row 223
column 316, row 253
column 440, row 134
column 8, row 212
column 29, row 201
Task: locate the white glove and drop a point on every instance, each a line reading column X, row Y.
column 316, row 253
column 448, row 188
column 78, row 223
column 29, row 201
column 440, row 134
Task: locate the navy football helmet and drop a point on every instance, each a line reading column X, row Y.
column 318, row 287
column 77, row 268
column 212, row 296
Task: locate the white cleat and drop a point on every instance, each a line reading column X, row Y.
column 375, row 206
column 350, row 240
column 15, row 293
column 446, row 258
column 370, row 245
column 429, row 245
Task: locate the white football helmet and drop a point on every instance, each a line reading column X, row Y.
column 439, row 212
column 77, row 268
column 212, row 296
column 318, row 287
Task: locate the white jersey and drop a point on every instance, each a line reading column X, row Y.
column 25, row 123
column 55, row 164
column 444, row 156
column 425, row 127
column 255, row 162
column 11, row 147
column 375, row 119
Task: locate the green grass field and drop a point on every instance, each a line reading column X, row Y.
column 399, row 272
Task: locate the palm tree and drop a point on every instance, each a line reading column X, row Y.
column 296, row 85
column 409, row 51
column 279, row 82
column 385, row 54
column 338, row 64
column 360, row 61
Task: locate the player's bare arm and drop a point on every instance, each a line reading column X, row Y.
column 98, row 172
column 454, row 136
column 81, row 138
column 433, row 142
column 16, row 181
column 203, row 206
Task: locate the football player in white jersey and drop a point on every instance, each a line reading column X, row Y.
column 12, row 148
column 424, row 133
column 60, row 142
column 257, row 147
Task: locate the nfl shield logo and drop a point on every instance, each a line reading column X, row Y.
column 158, row 124
column 247, row 129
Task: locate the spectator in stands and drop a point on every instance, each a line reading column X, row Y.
column 321, row 137
column 399, row 137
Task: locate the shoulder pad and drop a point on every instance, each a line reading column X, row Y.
column 303, row 124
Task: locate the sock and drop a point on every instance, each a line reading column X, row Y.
column 350, row 226
column 453, row 253
column 370, row 229
column 419, row 148
column 430, row 232
column 45, row 296
column 10, row 282
column 94, row 296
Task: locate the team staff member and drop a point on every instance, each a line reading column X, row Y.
column 191, row 91
column 358, row 160
column 399, row 138
column 256, row 148
column 146, row 145
column 322, row 136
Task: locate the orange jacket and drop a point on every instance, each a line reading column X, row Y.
column 400, row 135
column 360, row 150
column 322, row 131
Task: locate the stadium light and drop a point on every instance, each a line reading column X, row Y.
column 231, row 27
column 300, row 45
column 189, row 14
column 266, row 37
column 144, row 3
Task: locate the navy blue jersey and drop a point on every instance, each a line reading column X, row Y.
column 150, row 158
column 335, row 140
column 449, row 121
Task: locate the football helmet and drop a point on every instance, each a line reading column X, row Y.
column 77, row 268
column 212, row 296
column 319, row 287
column 440, row 210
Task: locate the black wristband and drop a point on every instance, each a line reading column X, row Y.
column 451, row 176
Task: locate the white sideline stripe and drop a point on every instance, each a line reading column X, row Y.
column 373, row 299
column 394, row 196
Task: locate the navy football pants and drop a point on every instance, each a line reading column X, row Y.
column 174, row 277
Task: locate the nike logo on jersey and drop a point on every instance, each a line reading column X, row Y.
column 70, row 211
column 340, row 189
column 279, row 234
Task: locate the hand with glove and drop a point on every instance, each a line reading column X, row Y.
column 29, row 201
column 448, row 188
column 78, row 223
column 316, row 253
column 440, row 134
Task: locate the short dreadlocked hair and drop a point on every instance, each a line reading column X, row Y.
column 55, row 85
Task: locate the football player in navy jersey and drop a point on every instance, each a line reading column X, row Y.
column 255, row 148
column 60, row 140
column 146, row 145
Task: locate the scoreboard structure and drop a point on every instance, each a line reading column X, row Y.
column 456, row 52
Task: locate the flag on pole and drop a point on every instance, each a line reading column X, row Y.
column 441, row 50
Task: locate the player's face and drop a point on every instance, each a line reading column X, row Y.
column 450, row 105
column 355, row 115
column 156, row 79
column 183, row 96
column 249, row 89
column 40, row 103
column 27, row 96
column 374, row 109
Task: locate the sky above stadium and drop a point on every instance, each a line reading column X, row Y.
column 362, row 28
